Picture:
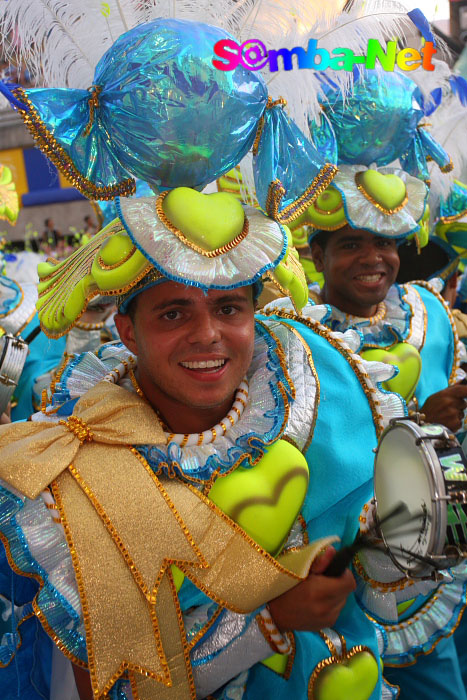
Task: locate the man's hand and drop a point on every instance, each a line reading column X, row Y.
column 446, row 407
column 316, row 602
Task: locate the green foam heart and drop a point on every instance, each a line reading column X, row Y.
column 387, row 189
column 353, row 678
column 327, row 212
column 407, row 359
column 266, row 499
column 209, row 221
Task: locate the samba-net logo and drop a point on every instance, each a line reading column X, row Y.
column 253, row 55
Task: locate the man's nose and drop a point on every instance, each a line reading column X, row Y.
column 371, row 255
column 205, row 328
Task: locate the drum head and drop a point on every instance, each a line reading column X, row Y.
column 403, row 476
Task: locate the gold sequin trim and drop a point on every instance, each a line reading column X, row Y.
column 105, row 266
column 456, row 360
column 77, row 426
column 186, row 241
column 392, row 586
column 454, row 217
column 353, row 360
column 375, row 203
column 93, row 103
column 60, row 158
column 292, row 211
column 448, row 168
column 135, row 384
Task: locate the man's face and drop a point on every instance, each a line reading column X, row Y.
column 193, row 348
column 358, row 267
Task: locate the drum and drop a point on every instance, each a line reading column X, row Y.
column 13, row 354
column 420, row 471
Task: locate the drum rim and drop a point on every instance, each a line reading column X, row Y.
column 438, row 494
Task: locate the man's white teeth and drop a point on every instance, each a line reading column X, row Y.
column 207, row 364
column 370, row 278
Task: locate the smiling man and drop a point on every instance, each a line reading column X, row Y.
column 204, row 410
column 411, row 327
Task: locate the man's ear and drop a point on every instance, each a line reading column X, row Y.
column 126, row 331
column 317, row 253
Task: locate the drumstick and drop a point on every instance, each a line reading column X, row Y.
column 345, row 555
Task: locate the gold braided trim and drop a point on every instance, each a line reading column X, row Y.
column 276, row 192
column 450, row 268
column 318, row 386
column 334, row 660
column 60, row 158
column 186, row 241
column 353, row 360
column 326, row 227
column 77, row 426
column 454, row 217
column 456, row 360
column 375, row 203
column 259, row 132
column 392, row 586
column 412, row 316
column 269, row 105
column 105, row 266
column 93, row 103
column 282, row 357
column 447, row 168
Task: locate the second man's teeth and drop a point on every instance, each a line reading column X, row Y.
column 207, row 364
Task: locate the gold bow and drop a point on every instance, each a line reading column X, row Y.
column 125, row 527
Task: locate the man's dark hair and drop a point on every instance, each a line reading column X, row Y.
column 321, row 239
column 46, row 222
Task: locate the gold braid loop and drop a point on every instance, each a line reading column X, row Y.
column 93, row 102
column 77, row 426
column 259, row 130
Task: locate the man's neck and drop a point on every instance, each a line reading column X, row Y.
column 177, row 417
column 348, row 306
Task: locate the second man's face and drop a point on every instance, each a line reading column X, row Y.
column 358, row 267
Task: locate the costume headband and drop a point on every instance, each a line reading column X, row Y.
column 205, row 241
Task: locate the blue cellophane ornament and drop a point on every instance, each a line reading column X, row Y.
column 158, row 110
column 289, row 170
column 379, row 122
column 455, row 206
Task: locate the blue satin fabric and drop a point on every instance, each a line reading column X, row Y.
column 285, row 154
column 438, row 351
column 166, row 115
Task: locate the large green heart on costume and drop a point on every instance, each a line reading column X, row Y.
column 209, row 221
column 266, row 499
column 404, row 356
column 352, row 678
column 387, row 189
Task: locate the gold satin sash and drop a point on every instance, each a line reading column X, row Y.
column 125, row 527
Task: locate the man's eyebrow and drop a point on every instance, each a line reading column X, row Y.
column 184, row 301
column 349, row 239
column 181, row 301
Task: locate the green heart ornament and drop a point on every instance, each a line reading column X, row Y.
column 352, row 677
column 266, row 499
column 209, row 221
column 327, row 212
column 387, row 190
column 404, row 356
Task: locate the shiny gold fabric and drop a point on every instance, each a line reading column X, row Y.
column 124, row 527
